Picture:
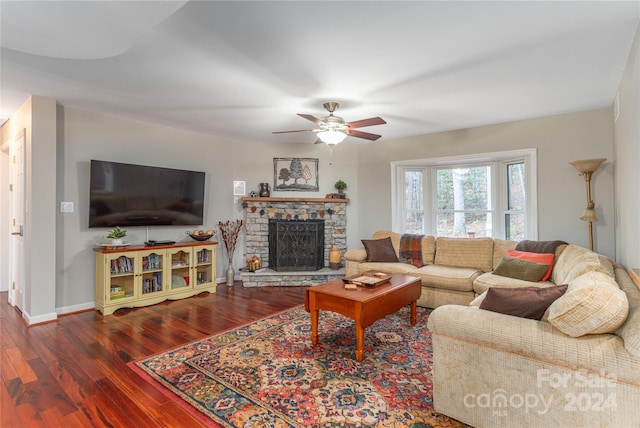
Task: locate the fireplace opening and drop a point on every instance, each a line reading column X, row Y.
column 296, row 245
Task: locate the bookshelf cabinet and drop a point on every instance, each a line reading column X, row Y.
column 141, row 276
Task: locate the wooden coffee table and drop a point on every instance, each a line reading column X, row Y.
column 363, row 305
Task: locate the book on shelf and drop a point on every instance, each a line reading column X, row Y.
column 201, row 277
column 152, row 261
column 122, row 265
column 151, row 285
column 203, row 256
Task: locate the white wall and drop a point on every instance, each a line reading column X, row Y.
column 38, row 117
column 627, row 161
column 561, row 192
column 85, row 135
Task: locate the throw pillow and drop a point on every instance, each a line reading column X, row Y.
column 539, row 246
column 380, row 250
column 524, row 302
column 593, row 304
column 521, row 269
column 544, row 258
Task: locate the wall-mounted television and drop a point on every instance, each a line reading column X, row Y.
column 138, row 195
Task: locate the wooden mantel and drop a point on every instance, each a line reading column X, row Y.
column 311, row 200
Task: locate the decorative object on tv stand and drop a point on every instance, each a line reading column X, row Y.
column 116, row 235
column 200, row 235
column 265, row 190
column 230, row 231
column 587, row 167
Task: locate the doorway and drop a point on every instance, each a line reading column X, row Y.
column 17, row 213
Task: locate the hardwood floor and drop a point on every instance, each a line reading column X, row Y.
column 73, row 373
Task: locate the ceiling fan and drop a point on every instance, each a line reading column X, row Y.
column 333, row 130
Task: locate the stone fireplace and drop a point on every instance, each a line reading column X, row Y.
column 303, row 213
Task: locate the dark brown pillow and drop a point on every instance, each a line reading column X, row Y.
column 521, row 269
column 380, row 250
column 539, row 246
column 523, row 302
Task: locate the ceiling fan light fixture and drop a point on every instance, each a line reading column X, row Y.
column 332, row 137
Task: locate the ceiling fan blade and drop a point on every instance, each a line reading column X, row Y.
column 367, row 122
column 311, row 118
column 299, row 130
column 365, row 135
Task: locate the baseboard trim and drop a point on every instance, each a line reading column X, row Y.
column 75, row 308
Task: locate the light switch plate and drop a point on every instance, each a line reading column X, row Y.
column 66, row 207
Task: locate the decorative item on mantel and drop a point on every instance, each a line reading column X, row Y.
column 230, row 231
column 265, row 190
column 340, row 185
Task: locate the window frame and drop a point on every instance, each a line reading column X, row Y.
column 499, row 196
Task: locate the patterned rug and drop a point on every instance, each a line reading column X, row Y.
column 268, row 374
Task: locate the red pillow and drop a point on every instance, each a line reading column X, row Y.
column 542, row 258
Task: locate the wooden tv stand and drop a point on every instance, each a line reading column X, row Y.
column 140, row 276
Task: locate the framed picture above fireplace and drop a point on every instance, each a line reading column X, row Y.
column 299, row 174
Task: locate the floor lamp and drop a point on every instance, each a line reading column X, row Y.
column 587, row 167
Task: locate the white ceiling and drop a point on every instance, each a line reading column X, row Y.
column 241, row 69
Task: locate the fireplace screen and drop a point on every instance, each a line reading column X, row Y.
column 296, row 245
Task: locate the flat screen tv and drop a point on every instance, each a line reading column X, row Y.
column 137, row 195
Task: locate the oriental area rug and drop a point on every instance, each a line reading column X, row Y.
column 268, row 374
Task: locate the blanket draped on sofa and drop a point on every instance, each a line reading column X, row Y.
column 411, row 249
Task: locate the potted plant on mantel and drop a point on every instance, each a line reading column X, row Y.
column 116, row 235
column 341, row 185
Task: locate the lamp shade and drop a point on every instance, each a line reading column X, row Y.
column 587, row 165
column 332, row 137
column 589, row 214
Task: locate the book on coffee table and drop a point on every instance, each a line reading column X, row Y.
column 368, row 279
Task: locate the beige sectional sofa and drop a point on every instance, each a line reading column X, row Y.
column 577, row 366
column 455, row 270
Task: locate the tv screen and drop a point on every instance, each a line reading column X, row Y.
column 137, row 195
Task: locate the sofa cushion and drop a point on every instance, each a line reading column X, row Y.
column 447, row 277
column 526, row 302
column 500, row 248
column 575, row 261
column 483, row 282
column 593, row 304
column 629, row 331
column 356, row 255
column 521, row 269
column 465, row 252
column 387, row 267
column 380, row 250
column 428, row 244
column 546, row 259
